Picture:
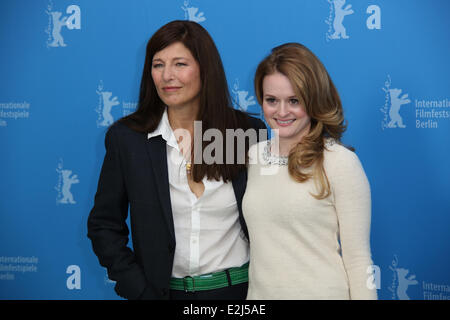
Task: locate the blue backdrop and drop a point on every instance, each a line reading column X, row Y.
column 71, row 67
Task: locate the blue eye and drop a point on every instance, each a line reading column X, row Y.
column 180, row 64
column 157, row 65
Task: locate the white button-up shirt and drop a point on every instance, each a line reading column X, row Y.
column 208, row 233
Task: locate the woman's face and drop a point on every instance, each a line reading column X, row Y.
column 283, row 109
column 176, row 75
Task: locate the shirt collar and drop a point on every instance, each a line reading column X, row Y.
column 165, row 130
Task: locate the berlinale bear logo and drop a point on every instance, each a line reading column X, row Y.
column 65, row 182
column 190, row 13
column 242, row 100
column 391, row 108
column 57, row 22
column 396, row 103
column 104, row 108
column 335, row 20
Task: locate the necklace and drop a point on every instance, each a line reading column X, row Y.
column 187, row 163
column 283, row 161
column 188, row 167
column 272, row 159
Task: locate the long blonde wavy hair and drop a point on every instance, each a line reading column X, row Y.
column 317, row 93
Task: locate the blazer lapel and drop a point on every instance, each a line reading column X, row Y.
column 239, row 186
column 156, row 149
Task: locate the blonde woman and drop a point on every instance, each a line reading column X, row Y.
column 308, row 220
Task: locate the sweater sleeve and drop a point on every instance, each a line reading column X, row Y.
column 352, row 199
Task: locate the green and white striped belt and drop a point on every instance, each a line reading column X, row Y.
column 211, row 281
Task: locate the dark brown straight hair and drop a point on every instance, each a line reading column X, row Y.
column 216, row 109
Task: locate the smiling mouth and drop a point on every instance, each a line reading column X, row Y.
column 284, row 122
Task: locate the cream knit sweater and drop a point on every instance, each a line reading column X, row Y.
column 304, row 248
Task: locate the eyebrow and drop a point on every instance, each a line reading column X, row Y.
column 176, row 58
column 273, row 96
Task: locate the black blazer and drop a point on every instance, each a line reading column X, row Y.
column 135, row 174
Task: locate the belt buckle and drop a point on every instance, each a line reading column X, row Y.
column 185, row 286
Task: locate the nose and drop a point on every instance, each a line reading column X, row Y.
column 283, row 110
column 167, row 74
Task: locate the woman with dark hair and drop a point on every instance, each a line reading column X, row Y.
column 189, row 236
column 311, row 238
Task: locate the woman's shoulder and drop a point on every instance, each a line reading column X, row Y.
column 122, row 128
column 121, row 133
column 118, row 127
column 256, row 151
column 339, row 158
column 336, row 150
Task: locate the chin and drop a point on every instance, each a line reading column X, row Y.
column 283, row 132
column 172, row 103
